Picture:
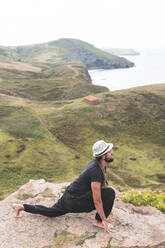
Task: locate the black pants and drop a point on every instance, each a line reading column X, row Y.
column 71, row 204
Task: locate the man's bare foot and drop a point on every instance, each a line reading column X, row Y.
column 17, row 208
column 100, row 224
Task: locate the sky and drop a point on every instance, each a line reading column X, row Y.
column 103, row 23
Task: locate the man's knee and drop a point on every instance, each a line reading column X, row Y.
column 108, row 193
column 112, row 192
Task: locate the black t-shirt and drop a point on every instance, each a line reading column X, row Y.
column 81, row 185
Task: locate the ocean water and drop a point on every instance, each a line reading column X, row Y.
column 149, row 69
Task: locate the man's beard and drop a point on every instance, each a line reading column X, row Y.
column 109, row 160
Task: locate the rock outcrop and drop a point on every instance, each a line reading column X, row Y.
column 133, row 226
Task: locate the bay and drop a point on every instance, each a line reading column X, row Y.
column 149, row 69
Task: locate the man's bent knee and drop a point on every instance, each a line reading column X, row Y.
column 109, row 193
column 112, row 192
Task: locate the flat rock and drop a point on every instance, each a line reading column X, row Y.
column 133, row 226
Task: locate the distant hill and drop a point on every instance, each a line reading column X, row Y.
column 54, row 70
column 121, row 51
column 53, row 139
column 68, row 50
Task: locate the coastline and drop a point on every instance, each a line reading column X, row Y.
column 148, row 70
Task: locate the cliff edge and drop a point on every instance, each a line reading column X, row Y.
column 133, row 226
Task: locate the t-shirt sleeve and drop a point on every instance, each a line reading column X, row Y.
column 96, row 176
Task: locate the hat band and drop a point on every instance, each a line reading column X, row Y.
column 98, row 155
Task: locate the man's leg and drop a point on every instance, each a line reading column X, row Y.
column 108, row 197
column 46, row 211
column 78, row 204
column 56, row 210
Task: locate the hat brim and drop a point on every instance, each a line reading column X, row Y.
column 109, row 147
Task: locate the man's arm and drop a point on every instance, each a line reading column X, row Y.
column 96, row 192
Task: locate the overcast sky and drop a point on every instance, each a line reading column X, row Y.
column 103, row 23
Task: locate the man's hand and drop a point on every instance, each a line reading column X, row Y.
column 107, row 227
column 96, row 190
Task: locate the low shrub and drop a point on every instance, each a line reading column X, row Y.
column 153, row 199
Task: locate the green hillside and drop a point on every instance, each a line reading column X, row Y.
column 53, row 139
column 57, row 82
column 68, row 50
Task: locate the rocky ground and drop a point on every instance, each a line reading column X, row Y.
column 133, row 226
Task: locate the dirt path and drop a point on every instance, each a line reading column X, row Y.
column 73, row 69
column 43, row 122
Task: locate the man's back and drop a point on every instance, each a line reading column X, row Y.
column 82, row 185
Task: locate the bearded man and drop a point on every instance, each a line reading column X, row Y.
column 88, row 192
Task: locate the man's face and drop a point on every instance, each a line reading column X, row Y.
column 109, row 156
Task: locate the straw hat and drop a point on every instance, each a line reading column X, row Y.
column 101, row 147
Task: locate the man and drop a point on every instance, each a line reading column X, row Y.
column 88, row 192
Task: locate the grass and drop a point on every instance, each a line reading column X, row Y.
column 47, row 193
column 58, row 136
column 65, row 81
column 67, row 239
column 109, row 244
column 41, row 157
column 14, row 65
column 139, row 144
column 25, row 196
column 19, row 122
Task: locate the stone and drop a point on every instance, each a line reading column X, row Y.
column 133, row 226
column 21, row 148
column 133, row 159
column 77, row 156
column 7, row 155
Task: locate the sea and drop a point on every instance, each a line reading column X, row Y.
column 149, row 69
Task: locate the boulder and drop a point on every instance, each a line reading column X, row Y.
column 21, row 148
column 133, row 226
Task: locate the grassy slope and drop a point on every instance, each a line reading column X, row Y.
column 58, row 137
column 21, row 124
column 133, row 120
column 20, row 66
column 60, row 81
